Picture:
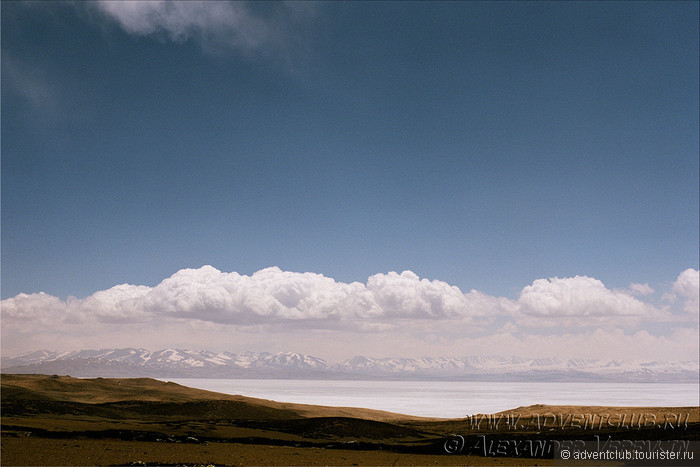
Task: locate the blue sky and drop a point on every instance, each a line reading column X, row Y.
column 486, row 145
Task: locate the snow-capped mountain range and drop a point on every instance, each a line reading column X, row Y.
column 178, row 363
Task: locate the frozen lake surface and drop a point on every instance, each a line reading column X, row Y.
column 451, row 399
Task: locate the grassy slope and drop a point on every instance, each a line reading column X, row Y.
column 109, row 390
column 143, row 410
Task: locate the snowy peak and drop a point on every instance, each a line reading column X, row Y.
column 204, row 364
column 292, row 359
column 33, row 357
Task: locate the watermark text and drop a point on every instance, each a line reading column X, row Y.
column 583, row 421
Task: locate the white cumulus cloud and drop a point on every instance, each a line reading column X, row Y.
column 37, row 308
column 216, row 25
column 580, row 300
column 120, row 303
column 402, row 312
column 270, row 296
column 641, row 289
column 405, row 295
column 687, row 289
column 267, row 295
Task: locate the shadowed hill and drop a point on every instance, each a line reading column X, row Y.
column 170, row 398
column 101, row 390
column 38, row 409
column 143, row 408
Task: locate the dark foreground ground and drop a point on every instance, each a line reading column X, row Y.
column 51, row 420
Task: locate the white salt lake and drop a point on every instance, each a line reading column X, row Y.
column 451, row 399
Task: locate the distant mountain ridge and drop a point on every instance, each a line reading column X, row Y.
column 180, row 363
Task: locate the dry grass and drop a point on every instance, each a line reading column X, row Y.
column 41, row 451
column 107, row 390
column 103, row 421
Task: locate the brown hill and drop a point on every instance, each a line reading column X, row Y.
column 112, row 390
column 55, row 419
